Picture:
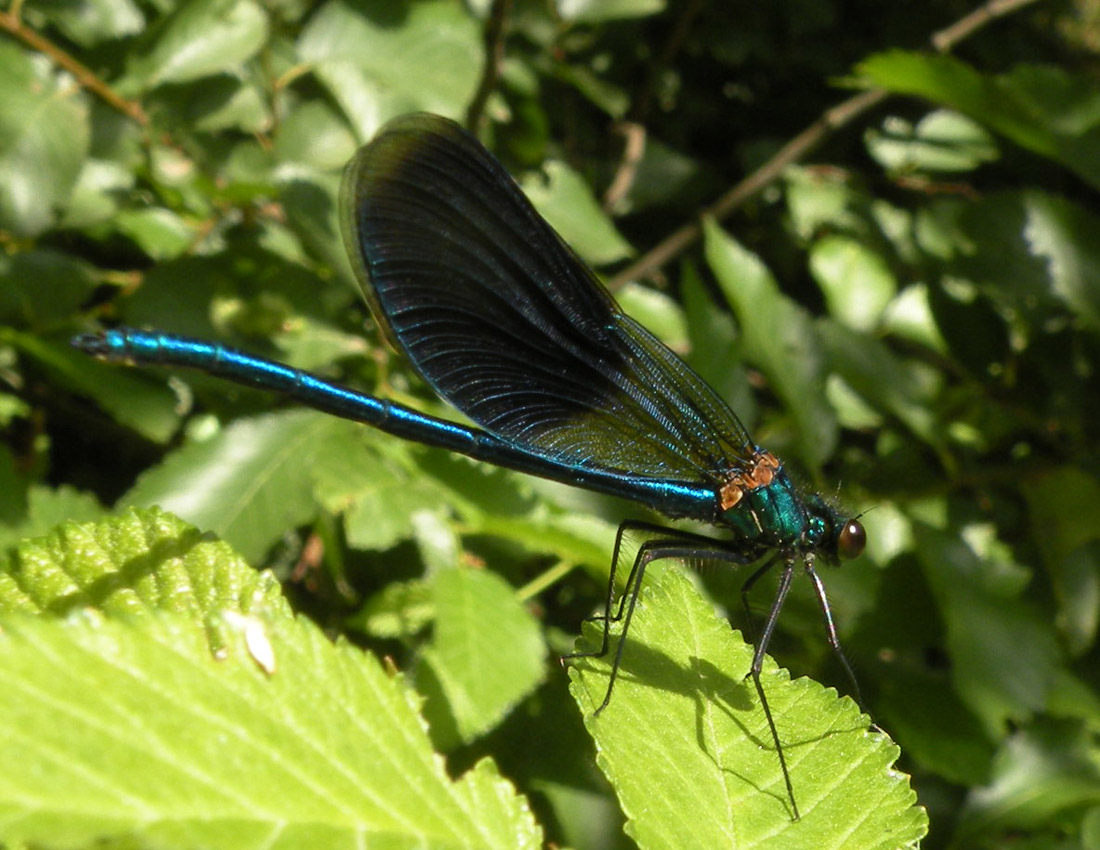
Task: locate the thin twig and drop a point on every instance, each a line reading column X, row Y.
column 831, row 120
column 965, row 26
column 84, row 75
column 494, row 56
column 633, row 148
column 632, row 127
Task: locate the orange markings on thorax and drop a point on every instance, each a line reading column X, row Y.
column 764, row 467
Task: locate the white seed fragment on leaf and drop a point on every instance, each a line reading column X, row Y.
column 255, row 640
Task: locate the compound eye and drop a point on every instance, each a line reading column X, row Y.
column 852, row 540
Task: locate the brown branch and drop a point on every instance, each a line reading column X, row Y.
column 10, row 22
column 967, row 25
column 633, row 149
column 831, row 120
column 494, row 56
column 632, row 127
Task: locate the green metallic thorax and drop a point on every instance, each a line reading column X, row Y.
column 775, row 516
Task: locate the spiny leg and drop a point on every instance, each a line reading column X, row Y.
column 662, row 537
column 746, row 588
column 648, row 552
column 760, row 648
column 830, row 628
column 682, row 545
column 606, row 617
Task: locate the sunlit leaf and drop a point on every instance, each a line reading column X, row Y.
column 685, row 744
column 487, row 653
column 200, row 38
column 44, row 137
column 209, row 717
column 778, row 337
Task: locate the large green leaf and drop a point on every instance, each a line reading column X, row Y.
column 1033, row 252
column 44, row 137
column 1041, row 775
column 169, row 696
column 137, row 401
column 199, row 39
column 384, row 57
column 250, row 483
column 487, row 653
column 1004, row 657
column 138, row 563
column 567, row 202
column 1045, row 109
column 686, row 746
column 777, row 336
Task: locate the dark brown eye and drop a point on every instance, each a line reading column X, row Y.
column 851, row 541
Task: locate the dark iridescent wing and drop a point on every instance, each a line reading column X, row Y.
column 509, row 326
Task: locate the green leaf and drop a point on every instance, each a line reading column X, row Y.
column 39, row 287
column 14, row 490
column 1066, row 237
column 228, row 101
column 659, row 312
column 1063, row 504
column 372, row 479
column 882, row 379
column 487, row 653
column 822, row 200
column 249, row 484
column 1033, row 252
column 93, row 21
column 46, row 508
column 44, row 137
column 198, row 39
column 401, row 609
column 376, row 69
column 909, row 316
column 595, row 11
column 136, row 400
column 567, row 202
column 1004, row 657
column 570, row 537
column 713, row 335
column 778, row 336
column 309, row 198
column 610, row 97
column 142, row 562
column 664, row 173
column 685, row 744
column 270, row 736
column 317, row 135
column 856, row 280
column 1044, row 109
column 98, row 194
column 159, row 232
column 936, row 730
column 1042, row 775
column 941, row 141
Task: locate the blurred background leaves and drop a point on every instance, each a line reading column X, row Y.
column 910, row 316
